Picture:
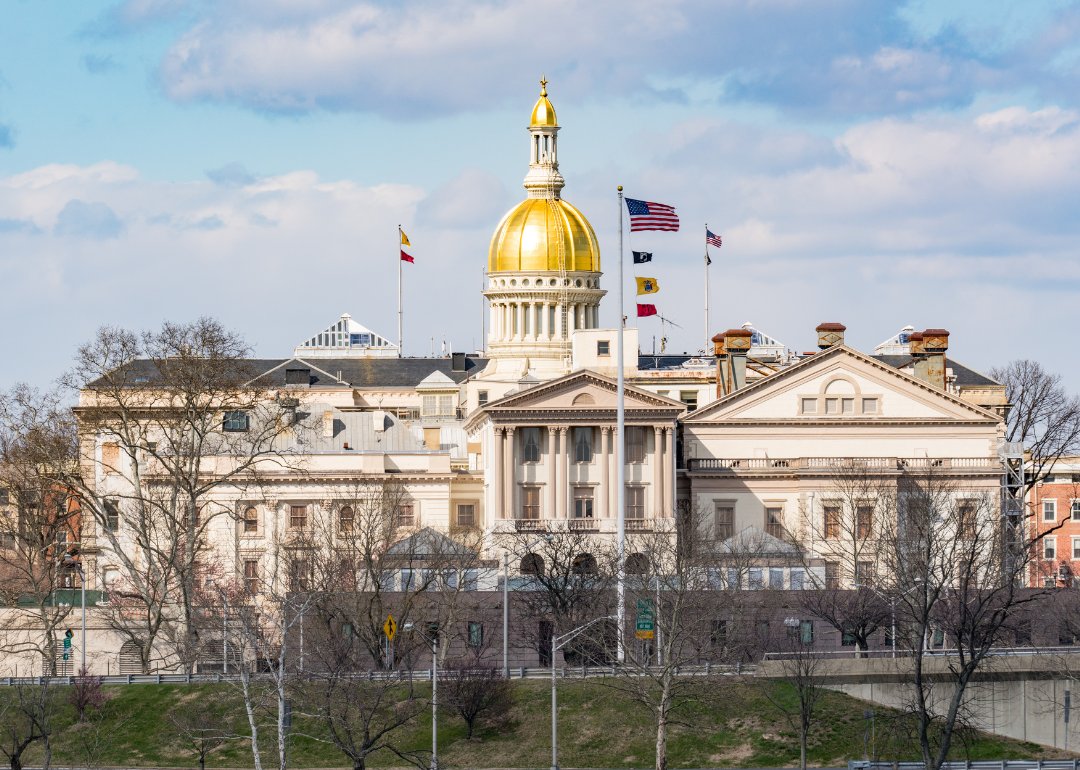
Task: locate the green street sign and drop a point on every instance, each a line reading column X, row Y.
column 645, row 618
column 65, row 656
column 67, row 643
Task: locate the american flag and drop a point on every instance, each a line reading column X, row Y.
column 712, row 239
column 651, row 216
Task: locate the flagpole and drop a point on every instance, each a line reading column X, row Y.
column 708, row 336
column 620, row 461
column 399, row 292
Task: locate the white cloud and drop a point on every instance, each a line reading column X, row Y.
column 436, row 57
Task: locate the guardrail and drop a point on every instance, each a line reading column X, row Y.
column 984, row 764
column 403, row 675
column 936, row 652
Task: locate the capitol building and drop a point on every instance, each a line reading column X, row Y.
column 524, row 439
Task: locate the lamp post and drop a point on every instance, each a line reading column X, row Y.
column 506, row 600
column 82, row 583
column 892, row 605
column 558, row 642
column 434, row 693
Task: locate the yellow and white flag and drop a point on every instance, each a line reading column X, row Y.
column 647, row 286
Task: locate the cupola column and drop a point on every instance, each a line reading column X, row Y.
column 658, row 471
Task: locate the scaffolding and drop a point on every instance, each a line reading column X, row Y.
column 1011, row 455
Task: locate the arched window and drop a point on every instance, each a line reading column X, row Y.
column 637, row 564
column 585, row 564
column 130, row 660
column 532, row 564
column 584, row 399
column 251, row 520
column 345, row 519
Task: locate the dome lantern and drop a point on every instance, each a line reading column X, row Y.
column 543, row 179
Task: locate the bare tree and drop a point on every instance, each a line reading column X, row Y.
column 799, row 666
column 25, row 719
column 956, row 579
column 39, row 539
column 96, row 736
column 476, row 691
column 167, row 418
column 1044, row 416
column 847, row 529
column 202, row 725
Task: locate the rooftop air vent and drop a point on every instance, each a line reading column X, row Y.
column 297, row 378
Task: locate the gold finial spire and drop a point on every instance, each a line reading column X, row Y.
column 543, row 85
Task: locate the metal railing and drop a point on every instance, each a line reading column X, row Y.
column 984, row 764
column 816, row 463
column 404, row 675
column 849, row 653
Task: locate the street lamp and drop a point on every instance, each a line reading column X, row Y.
column 434, row 693
column 557, row 642
column 82, row 583
column 506, row 599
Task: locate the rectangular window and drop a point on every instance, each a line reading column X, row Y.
column 809, row 406
column 446, row 406
column 847, row 636
column 251, row 577
column 112, row 516
column 772, row 521
column 832, row 405
column 110, row 457
column 408, row 580
column 1049, row 552
column 298, row 576
column 530, row 444
column 732, row 577
column 848, row 405
column 756, row 579
column 864, row 573
column 406, row 515
column 689, row 397
column 1049, row 510
column 966, row 521
column 1076, row 547
column 635, row 445
column 864, row 521
column 482, row 397
column 806, row 632
column 530, row 503
column 235, row 422
column 869, row 406
column 1074, row 510
column 551, row 321
column 635, row 502
column 583, row 445
column 430, row 407
column 476, row 635
column 798, row 575
column 832, row 521
column 466, row 515
column 525, row 320
column 725, row 521
column 583, row 500
column 664, row 393
column 776, row 578
column 938, row 639
column 298, row 516
column 513, row 319
column 603, row 348
column 832, row 576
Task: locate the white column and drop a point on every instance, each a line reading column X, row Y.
column 562, row 472
column 613, row 476
column 602, row 503
column 510, row 482
column 497, row 469
column 552, row 458
column 658, row 472
column 669, row 469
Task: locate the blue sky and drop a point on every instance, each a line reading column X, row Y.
column 871, row 162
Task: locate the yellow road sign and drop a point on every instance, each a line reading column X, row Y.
column 389, row 627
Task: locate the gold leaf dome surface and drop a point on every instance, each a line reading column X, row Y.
column 543, row 113
column 527, row 239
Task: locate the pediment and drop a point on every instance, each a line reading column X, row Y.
column 582, row 390
column 839, row 384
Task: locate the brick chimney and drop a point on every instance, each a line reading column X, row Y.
column 829, row 334
column 732, row 374
column 718, row 351
column 934, row 344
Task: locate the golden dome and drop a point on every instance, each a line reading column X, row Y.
column 527, row 239
column 543, row 113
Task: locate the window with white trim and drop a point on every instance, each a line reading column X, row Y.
column 1049, row 510
column 1049, row 552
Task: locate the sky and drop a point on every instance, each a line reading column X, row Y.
column 871, row 162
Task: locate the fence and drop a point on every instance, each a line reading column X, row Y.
column 994, row 764
column 416, row 675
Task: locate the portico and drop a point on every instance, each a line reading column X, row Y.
column 549, row 454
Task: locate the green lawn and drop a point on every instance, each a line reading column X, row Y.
column 598, row 727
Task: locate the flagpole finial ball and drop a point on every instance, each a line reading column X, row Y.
column 620, row 188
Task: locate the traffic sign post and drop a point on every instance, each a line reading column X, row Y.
column 645, row 619
column 390, row 629
column 67, row 642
